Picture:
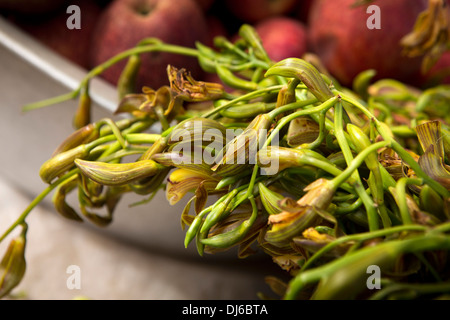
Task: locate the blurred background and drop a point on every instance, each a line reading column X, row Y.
column 47, row 46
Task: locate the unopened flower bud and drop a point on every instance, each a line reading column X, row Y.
column 82, row 116
column 126, row 83
column 59, row 199
column 302, row 214
column 302, row 130
column 182, row 181
column 115, row 174
column 61, row 163
column 13, row 264
column 242, row 150
column 270, row 199
column 197, row 129
column 305, row 72
column 83, row 135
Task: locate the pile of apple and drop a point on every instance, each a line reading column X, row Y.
column 334, row 30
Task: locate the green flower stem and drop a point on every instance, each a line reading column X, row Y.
column 350, row 266
column 283, row 121
column 36, row 201
column 225, row 182
column 141, row 138
column 149, row 138
column 357, row 162
column 135, row 127
column 403, row 131
column 52, row 101
column 291, row 106
column 318, row 141
column 196, row 225
column 149, row 198
column 361, row 237
column 244, row 97
column 301, row 94
column 250, row 190
column 234, row 81
column 372, row 105
column 219, row 210
column 252, row 182
column 407, row 158
column 345, row 197
column 415, row 288
column 156, row 46
column 375, row 180
column 418, row 170
column 162, row 118
column 232, row 237
column 327, row 167
column 388, row 180
column 323, row 165
column 401, row 197
column 341, row 210
column 372, row 215
column 153, row 46
column 115, row 130
column 246, row 111
column 249, row 34
column 236, row 125
column 239, row 67
column 121, row 154
column 223, row 42
column 286, row 119
column 442, row 228
column 122, row 124
column 254, row 61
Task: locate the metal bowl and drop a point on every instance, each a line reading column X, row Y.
column 31, row 72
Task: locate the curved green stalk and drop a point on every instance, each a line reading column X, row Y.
column 244, row 97
column 36, row 201
column 337, row 274
column 283, row 121
column 286, row 119
column 407, row 158
column 372, row 216
column 412, row 288
column 401, row 197
column 360, row 237
column 153, row 46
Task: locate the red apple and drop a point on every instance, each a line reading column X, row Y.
column 252, row 11
column 340, row 36
column 52, row 31
column 124, row 23
column 282, row 37
column 216, row 27
column 205, row 4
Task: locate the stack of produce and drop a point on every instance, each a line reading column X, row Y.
column 332, row 181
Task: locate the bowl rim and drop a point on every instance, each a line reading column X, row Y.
column 54, row 65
